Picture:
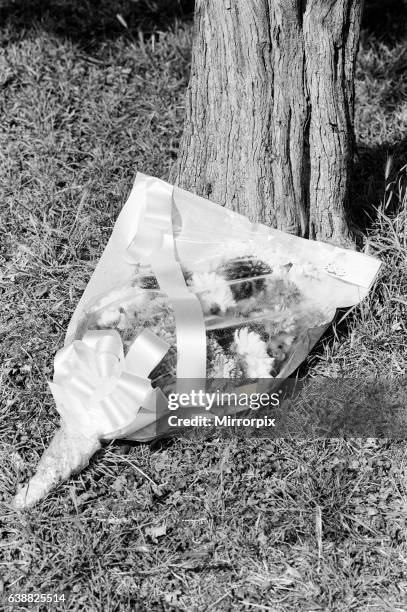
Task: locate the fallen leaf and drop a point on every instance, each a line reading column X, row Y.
column 157, row 531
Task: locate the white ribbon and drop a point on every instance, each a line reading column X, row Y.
column 100, row 392
column 153, row 243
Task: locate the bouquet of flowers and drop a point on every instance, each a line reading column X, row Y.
column 253, row 316
column 186, row 292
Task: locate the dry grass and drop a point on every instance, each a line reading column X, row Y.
column 218, row 524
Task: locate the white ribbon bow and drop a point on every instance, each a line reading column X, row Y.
column 100, row 392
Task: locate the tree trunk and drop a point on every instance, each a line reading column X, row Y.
column 269, row 115
column 331, row 35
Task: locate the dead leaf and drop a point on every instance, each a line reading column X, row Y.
column 156, row 531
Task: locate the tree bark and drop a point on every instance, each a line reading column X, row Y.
column 269, row 113
column 331, row 34
column 225, row 150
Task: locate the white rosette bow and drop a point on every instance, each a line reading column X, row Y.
column 99, row 391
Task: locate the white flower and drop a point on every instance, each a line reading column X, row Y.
column 253, row 351
column 112, row 317
column 116, row 296
column 109, row 317
column 213, row 291
column 128, row 301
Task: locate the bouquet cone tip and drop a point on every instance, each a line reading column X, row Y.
column 68, row 453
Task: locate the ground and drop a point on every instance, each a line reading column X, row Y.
column 90, row 92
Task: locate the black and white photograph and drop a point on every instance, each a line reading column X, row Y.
column 203, row 305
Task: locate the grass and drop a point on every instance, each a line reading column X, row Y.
column 186, row 524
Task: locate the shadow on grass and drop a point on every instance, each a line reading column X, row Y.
column 95, row 20
column 385, row 20
column 90, row 22
column 384, row 29
column 369, row 182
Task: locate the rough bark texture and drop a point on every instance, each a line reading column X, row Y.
column 269, row 115
column 225, row 153
column 331, row 34
column 289, row 117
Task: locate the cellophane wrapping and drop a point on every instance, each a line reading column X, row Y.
column 265, row 296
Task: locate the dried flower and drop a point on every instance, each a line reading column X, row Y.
column 249, row 268
column 221, row 364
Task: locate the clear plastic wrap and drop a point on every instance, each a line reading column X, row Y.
column 189, row 292
column 255, row 316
